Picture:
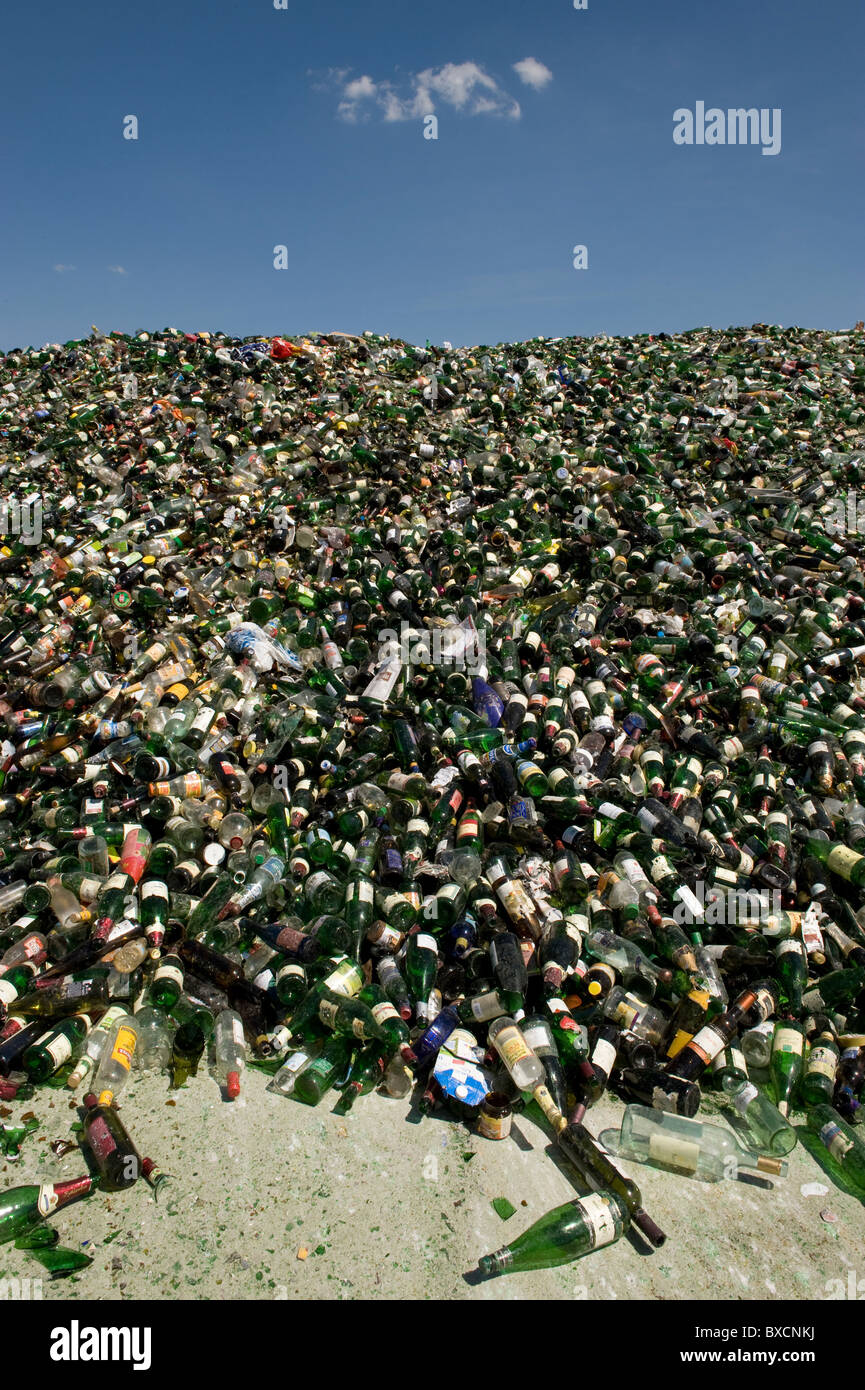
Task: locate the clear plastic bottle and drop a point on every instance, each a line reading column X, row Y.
column 155, row 1038
column 95, row 1045
column 230, row 1047
column 115, row 1063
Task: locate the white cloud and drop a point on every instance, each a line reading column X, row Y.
column 465, row 87
column 533, row 73
column 360, row 87
column 61, row 268
column 117, row 269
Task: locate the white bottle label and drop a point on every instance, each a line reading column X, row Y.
column 672, row 1151
column 787, row 1040
column 604, row 1055
column 835, row 1141
column 824, row 1062
column 708, row 1042
column 785, row 947
column 600, row 1217
column 47, row 1199
column 154, row 888
column 169, row 972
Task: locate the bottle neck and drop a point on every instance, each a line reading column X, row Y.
column 60, row 1194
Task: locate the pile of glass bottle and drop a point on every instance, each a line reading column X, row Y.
column 448, row 721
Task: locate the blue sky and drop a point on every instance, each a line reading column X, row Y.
column 304, row 127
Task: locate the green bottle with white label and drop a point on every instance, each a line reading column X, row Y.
column 788, row 1046
column 562, row 1235
column 841, row 1141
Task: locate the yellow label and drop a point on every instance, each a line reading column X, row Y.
column 124, row 1047
column 512, row 1046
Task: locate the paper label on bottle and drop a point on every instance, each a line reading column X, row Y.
column 626, row 1014
column 604, row 1055
column 660, row 866
column 684, row 895
column 154, row 888
column 511, row 1046
column 835, row 1140
column 426, row 943
column 556, row 777
column 8, row 992
column 494, row 1126
column 327, row 1012
column 124, row 1047
column 347, row 979
column 843, row 860
column 662, row 1100
column 296, row 1063
column 536, row 1036
column 166, row 972
column 787, row 1040
column 361, row 890
column 384, row 1011
column 487, row 1006
column 823, row 1062
column 100, row 1139
column 47, row 1200
column 792, row 944
column 707, row 1043
column 449, row 893
column 560, row 868
column 671, row 1151
column 59, row 1049
column 291, row 972
column 601, row 1219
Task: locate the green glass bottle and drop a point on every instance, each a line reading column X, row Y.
column 186, row 1053
column 818, row 1081
column 562, row 1235
column 349, row 1016
column 840, row 858
column 770, row 1132
column 55, row 1048
column 22, row 1208
column 844, row 1144
column 788, row 1044
column 582, row 1150
column 323, row 1071
column 366, row 1071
